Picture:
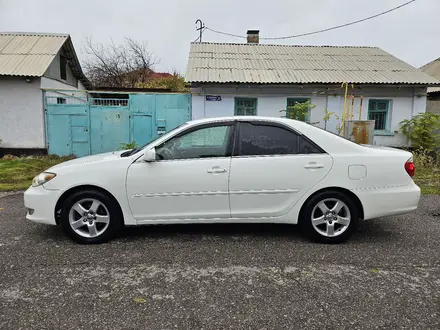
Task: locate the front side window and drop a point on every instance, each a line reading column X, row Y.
column 378, row 110
column 245, row 106
column 261, row 139
column 205, row 142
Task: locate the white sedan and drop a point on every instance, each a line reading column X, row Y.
column 228, row 170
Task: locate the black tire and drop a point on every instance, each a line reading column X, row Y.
column 115, row 216
column 306, row 217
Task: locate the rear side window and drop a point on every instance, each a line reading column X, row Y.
column 259, row 140
column 265, row 139
column 308, row 147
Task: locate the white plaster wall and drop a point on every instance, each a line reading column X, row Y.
column 81, row 86
column 21, row 113
column 405, row 102
column 48, row 83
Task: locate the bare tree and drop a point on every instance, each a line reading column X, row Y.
column 112, row 65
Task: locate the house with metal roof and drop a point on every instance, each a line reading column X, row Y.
column 433, row 69
column 29, row 64
column 351, row 82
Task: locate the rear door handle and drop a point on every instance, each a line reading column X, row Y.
column 313, row 166
column 216, row 169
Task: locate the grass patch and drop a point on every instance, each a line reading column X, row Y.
column 427, row 172
column 17, row 174
column 428, row 179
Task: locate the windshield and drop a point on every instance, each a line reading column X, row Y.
column 135, row 150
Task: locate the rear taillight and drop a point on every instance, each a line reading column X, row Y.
column 410, row 168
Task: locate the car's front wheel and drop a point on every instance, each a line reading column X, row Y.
column 90, row 217
column 330, row 217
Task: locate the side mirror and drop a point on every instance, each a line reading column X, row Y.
column 149, row 155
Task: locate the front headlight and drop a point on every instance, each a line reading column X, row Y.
column 42, row 178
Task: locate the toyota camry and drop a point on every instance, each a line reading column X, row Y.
column 228, row 170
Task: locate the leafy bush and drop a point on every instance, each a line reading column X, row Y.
column 127, row 146
column 299, row 111
column 422, row 131
column 327, row 116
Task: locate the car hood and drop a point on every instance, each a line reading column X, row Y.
column 104, row 157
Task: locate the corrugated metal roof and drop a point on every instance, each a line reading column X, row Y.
column 433, row 69
column 28, row 54
column 433, row 89
column 281, row 64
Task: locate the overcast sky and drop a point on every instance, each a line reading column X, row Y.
column 411, row 33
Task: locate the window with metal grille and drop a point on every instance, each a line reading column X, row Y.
column 378, row 111
column 245, row 107
column 290, row 103
column 61, row 100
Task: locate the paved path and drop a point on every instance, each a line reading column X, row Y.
column 221, row 277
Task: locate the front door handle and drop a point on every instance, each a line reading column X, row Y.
column 216, row 169
column 313, row 166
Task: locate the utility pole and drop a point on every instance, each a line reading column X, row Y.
column 200, row 29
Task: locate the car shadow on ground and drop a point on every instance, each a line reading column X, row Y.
column 372, row 230
column 368, row 231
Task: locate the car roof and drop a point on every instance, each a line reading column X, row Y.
column 330, row 142
column 290, row 122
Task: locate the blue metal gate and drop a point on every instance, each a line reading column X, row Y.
column 82, row 126
column 67, row 125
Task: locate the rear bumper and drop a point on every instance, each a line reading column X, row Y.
column 389, row 201
column 40, row 204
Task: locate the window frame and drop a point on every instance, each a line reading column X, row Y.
column 237, row 99
column 308, row 99
column 235, row 150
column 229, row 142
column 386, row 130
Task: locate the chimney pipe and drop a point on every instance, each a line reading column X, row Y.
column 253, row 36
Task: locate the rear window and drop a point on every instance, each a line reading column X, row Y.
column 337, row 135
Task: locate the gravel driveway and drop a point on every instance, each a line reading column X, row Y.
column 221, row 276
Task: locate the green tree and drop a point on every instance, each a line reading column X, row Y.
column 176, row 83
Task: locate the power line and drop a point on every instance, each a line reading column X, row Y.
column 318, row 31
column 227, row 34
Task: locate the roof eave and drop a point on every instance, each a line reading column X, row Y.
column 76, row 66
column 313, row 83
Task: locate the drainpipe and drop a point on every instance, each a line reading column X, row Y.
column 413, row 102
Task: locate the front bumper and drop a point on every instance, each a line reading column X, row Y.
column 40, row 204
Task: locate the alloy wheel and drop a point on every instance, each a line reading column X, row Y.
column 89, row 217
column 331, row 217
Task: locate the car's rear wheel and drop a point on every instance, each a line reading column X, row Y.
column 90, row 217
column 330, row 217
